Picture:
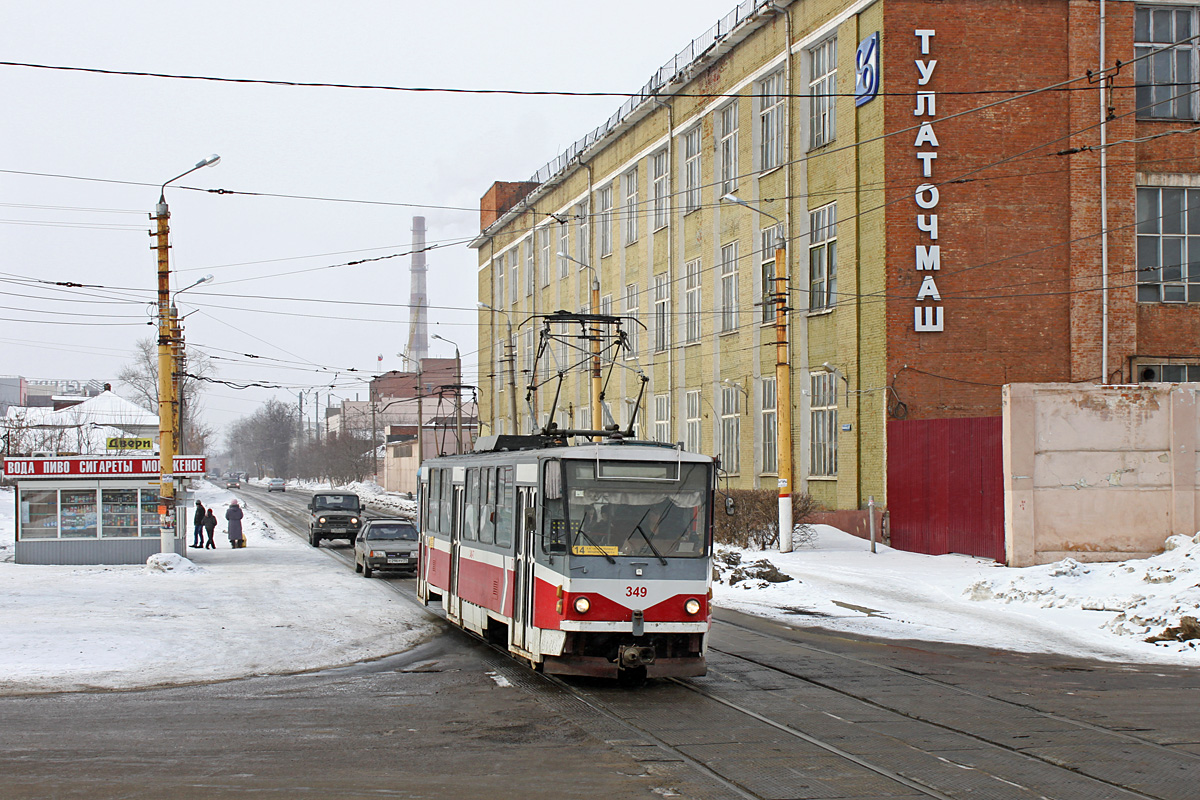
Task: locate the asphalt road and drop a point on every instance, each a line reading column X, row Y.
column 784, row 712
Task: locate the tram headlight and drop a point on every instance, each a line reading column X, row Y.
column 692, row 606
column 582, row 604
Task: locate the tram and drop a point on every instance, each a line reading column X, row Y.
column 588, row 559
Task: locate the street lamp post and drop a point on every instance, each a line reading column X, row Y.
column 512, row 365
column 783, row 381
column 166, row 385
column 457, row 392
column 597, row 416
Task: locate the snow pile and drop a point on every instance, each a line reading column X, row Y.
column 171, row 562
column 1144, row 596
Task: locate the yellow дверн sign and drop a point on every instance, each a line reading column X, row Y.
column 120, row 443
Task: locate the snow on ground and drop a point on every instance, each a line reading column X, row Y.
column 1103, row 610
column 279, row 606
column 275, row 606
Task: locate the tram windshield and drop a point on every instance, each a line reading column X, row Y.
column 631, row 508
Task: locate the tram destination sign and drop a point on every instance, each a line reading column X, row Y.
column 98, row 467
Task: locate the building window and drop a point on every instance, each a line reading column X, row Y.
column 770, row 455
column 662, row 418
column 527, row 356
column 544, row 244
column 691, row 170
column 498, row 266
column 582, row 238
column 770, row 122
column 824, row 425
column 692, row 300
column 729, row 287
column 514, row 272
column 822, row 90
column 731, row 399
column 1165, row 76
column 769, row 239
column 606, row 337
column 822, row 258
column 583, row 418
column 530, row 257
column 1168, row 373
column 1168, row 238
column 727, row 147
column 631, row 206
column 631, row 310
column 564, row 249
column 662, row 313
column 691, row 441
column 662, row 202
column 604, row 204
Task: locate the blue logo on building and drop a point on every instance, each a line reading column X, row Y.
column 866, row 70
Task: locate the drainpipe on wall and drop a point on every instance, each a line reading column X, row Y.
column 1103, row 208
column 671, row 244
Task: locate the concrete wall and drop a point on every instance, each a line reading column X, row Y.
column 1098, row 473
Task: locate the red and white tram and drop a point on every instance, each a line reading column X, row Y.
column 591, row 559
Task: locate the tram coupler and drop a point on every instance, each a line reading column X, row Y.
column 632, row 656
column 639, row 622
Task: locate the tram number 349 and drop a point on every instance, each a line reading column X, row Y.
column 635, row 591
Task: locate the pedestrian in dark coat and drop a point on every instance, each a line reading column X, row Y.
column 234, row 517
column 210, row 525
column 198, row 529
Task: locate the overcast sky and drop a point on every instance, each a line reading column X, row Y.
column 273, row 258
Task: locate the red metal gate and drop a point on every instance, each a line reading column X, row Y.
column 945, row 486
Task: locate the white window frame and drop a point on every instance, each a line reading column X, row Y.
column 731, row 429
column 692, row 425
column 606, row 353
column 822, row 90
column 564, row 248
column 1168, row 241
column 692, row 298
column 769, row 411
column 631, row 310
column 729, row 287
column 583, row 234
column 691, row 170
column 514, row 273
column 604, row 207
column 530, row 266
column 631, row 206
column 770, row 122
column 823, row 407
column 662, row 418
column 661, row 197
column 498, row 268
column 822, row 258
column 727, row 147
column 767, row 241
column 544, row 235
column 1161, row 79
column 662, row 313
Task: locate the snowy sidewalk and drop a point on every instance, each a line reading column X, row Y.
column 275, row 606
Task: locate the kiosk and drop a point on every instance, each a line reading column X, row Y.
column 94, row 509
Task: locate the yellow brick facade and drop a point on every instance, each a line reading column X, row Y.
column 734, row 353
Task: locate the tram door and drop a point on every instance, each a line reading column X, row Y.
column 454, row 608
column 523, row 579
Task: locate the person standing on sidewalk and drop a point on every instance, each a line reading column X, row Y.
column 234, row 517
column 210, row 526
column 198, row 526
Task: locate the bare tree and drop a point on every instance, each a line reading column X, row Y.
column 141, row 377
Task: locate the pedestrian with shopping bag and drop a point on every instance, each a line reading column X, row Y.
column 234, row 517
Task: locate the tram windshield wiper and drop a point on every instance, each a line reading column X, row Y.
column 638, row 529
column 600, row 549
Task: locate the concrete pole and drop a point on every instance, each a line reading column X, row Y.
column 783, row 398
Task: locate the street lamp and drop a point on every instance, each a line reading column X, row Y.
column 512, row 364
column 457, row 391
column 166, row 395
column 597, row 417
column 783, row 380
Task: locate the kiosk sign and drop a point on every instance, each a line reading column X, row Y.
column 129, row 443
column 98, row 467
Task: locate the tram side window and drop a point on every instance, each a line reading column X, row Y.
column 504, row 513
column 434, row 506
column 487, row 519
column 444, row 516
column 554, row 521
column 470, row 526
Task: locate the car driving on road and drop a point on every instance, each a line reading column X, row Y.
column 386, row 544
column 277, row 485
column 335, row 515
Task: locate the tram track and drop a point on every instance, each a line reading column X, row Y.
column 766, row 723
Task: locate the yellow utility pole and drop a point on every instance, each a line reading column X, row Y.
column 166, row 360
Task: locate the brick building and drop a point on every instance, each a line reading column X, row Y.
column 972, row 194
